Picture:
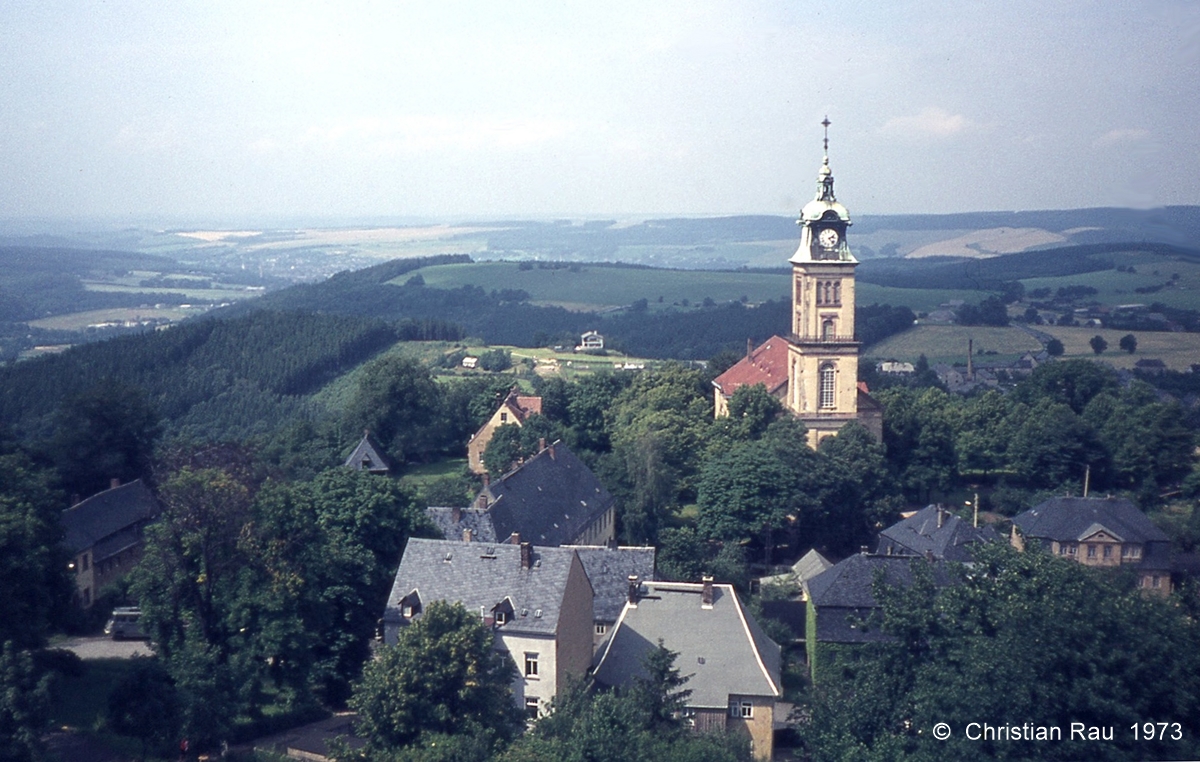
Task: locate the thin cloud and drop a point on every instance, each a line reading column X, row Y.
column 930, row 123
column 1120, row 137
column 421, row 134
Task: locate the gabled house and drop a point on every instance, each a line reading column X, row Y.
column 766, row 364
column 733, row 668
column 609, row 569
column 842, row 604
column 590, row 341
column 1099, row 532
column 551, row 499
column 513, row 410
column 369, row 456
column 537, row 600
column 933, row 532
column 810, row 565
column 104, row 535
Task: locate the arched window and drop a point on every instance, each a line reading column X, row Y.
column 828, row 395
column 827, row 332
column 837, row 292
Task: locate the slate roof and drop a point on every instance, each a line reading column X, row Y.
column 609, row 569
column 1069, row 519
column 920, row 534
column 548, row 500
column 810, row 565
column 766, row 364
column 108, row 521
column 482, row 575
column 453, row 522
column 369, row 456
column 843, row 595
column 721, row 650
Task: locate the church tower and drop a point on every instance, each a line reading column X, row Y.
column 823, row 354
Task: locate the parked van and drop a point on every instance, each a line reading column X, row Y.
column 125, row 623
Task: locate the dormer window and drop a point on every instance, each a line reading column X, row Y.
column 410, row 605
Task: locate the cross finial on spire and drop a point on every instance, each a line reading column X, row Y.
column 826, row 123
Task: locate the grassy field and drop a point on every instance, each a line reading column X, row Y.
column 77, row 321
column 1120, row 287
column 1176, row 350
column 948, row 343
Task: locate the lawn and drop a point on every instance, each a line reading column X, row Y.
column 948, row 343
column 1177, row 350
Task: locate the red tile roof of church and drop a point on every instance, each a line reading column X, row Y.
column 766, row 365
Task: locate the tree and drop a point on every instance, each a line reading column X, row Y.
column 1054, row 446
column 33, row 563
column 1129, row 343
column 399, row 402
column 24, row 706
column 751, row 410
column 1098, row 344
column 442, row 676
column 104, row 433
column 144, row 704
column 1054, row 348
column 745, row 492
column 503, row 450
column 1019, row 636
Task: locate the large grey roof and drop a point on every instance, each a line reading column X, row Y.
column 843, row 595
column 721, row 650
column 108, row 514
column 481, row 575
column 1072, row 518
column 920, row 534
column 550, row 499
column 609, row 569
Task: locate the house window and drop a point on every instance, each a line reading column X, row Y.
column 820, row 293
column 1071, row 550
column 741, row 709
column 828, row 398
column 1135, row 551
column 406, row 611
column 827, row 329
column 1108, row 551
column 1155, row 581
column 1091, row 551
column 601, row 629
column 837, row 292
column 503, row 417
column 501, row 616
column 689, row 717
column 531, row 707
column 84, row 564
column 531, row 664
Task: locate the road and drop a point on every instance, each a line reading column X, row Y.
column 104, row 647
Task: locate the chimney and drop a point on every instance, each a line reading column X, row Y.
column 551, row 449
column 114, row 482
column 526, row 555
column 456, row 515
column 706, row 592
column 749, row 347
column 633, row 590
column 466, row 535
column 481, row 502
column 541, row 443
column 487, row 480
column 514, row 538
column 941, row 516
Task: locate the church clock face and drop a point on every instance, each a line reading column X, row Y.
column 828, row 238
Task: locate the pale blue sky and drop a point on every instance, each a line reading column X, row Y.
column 145, row 111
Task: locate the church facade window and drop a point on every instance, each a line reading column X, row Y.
column 828, row 389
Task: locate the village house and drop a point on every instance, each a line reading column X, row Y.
column 609, row 569
column 934, row 532
column 513, row 410
column 104, row 536
column 537, row 600
column 733, row 668
column 369, row 456
column 766, row 364
column 551, row 499
column 1102, row 531
column 590, row 341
